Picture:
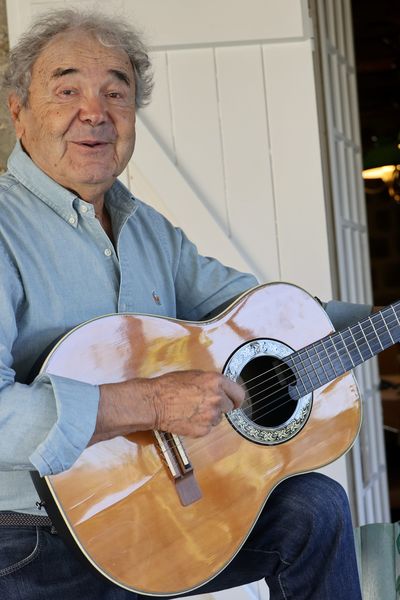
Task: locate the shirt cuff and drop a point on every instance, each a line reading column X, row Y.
column 77, row 406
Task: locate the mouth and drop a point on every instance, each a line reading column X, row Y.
column 91, row 143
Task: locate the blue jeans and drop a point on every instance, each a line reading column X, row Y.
column 302, row 545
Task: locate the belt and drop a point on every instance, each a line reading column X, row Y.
column 16, row 519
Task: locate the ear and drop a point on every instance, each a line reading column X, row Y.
column 16, row 110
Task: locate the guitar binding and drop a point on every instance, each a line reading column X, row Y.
column 280, row 417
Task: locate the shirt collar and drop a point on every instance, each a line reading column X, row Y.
column 58, row 198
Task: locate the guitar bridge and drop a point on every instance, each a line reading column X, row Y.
column 180, row 467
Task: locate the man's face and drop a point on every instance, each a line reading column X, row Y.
column 79, row 122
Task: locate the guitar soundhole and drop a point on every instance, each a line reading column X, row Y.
column 267, row 381
column 273, row 412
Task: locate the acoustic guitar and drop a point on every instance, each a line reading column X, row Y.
column 160, row 514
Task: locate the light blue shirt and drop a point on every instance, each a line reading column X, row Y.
column 58, row 269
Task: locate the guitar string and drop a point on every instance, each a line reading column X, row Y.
column 324, row 359
column 279, row 384
column 329, row 338
column 284, row 395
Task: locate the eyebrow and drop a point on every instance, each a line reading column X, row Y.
column 61, row 72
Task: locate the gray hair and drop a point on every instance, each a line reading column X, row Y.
column 109, row 31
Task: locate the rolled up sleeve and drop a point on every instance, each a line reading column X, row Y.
column 76, row 411
column 45, row 424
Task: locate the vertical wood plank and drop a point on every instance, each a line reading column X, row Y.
column 189, row 212
column 158, row 115
column 197, row 127
column 247, row 161
column 19, row 14
column 294, row 134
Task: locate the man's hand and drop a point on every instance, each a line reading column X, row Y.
column 183, row 402
column 191, row 402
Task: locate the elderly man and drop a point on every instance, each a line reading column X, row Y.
column 75, row 244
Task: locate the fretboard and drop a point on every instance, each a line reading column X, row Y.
column 325, row 360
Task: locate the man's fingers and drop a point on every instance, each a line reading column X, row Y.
column 234, row 392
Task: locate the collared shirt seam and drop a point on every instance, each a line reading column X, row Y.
column 54, row 206
column 28, row 184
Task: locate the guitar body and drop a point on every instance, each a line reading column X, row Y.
column 119, row 500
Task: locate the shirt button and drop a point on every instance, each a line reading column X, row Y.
column 84, row 209
column 72, row 220
column 107, row 252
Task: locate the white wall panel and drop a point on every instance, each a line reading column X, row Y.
column 184, row 206
column 215, row 130
column 296, row 162
column 158, row 114
column 197, row 126
column 187, row 22
column 247, row 157
column 190, row 22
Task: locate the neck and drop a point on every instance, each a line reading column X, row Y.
column 105, row 220
column 95, row 195
column 100, row 210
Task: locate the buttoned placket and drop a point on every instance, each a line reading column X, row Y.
column 92, row 224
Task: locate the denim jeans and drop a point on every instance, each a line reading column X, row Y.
column 302, row 545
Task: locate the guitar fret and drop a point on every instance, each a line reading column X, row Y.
column 373, row 338
column 390, row 335
column 308, row 369
column 304, row 365
column 342, row 369
column 392, row 325
column 332, row 362
column 365, row 351
column 338, row 353
column 299, row 391
column 328, row 365
column 395, row 314
column 355, row 344
column 345, row 347
column 341, row 349
column 322, row 365
column 315, row 368
column 385, row 336
column 377, row 337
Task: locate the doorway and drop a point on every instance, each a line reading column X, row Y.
column 376, row 28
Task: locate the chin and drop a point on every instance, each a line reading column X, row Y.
column 95, row 176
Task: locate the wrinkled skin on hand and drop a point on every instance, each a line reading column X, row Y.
column 186, row 403
column 191, row 402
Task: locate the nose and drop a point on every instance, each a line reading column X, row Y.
column 93, row 110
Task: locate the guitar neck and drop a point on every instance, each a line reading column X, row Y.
column 325, row 360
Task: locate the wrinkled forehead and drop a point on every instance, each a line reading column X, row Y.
column 82, row 51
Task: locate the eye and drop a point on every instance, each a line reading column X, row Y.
column 114, row 94
column 67, row 92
